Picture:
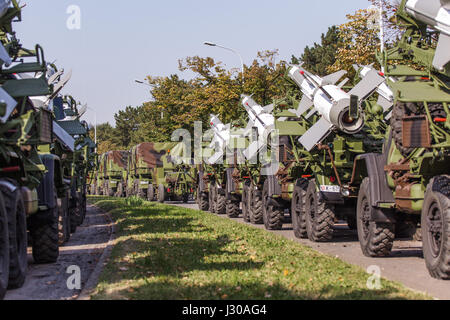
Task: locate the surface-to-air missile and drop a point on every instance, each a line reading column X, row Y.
column 76, row 155
column 112, row 172
column 216, row 172
column 28, row 179
column 320, row 136
column 408, row 183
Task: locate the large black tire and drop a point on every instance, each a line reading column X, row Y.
column 319, row 216
column 202, row 200
column 119, row 192
column 436, row 227
column 75, row 214
column 246, row 203
column 17, row 226
column 233, row 208
column 376, row 239
column 273, row 214
column 162, row 194
column 298, row 209
column 151, row 193
column 45, row 239
column 256, row 209
column 4, row 248
column 221, row 202
column 212, row 197
column 142, row 194
column 83, row 209
column 64, row 220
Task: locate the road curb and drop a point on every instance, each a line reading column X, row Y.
column 92, row 282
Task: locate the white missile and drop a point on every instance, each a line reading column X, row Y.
column 436, row 14
column 260, row 119
column 331, row 102
column 220, row 140
column 386, row 96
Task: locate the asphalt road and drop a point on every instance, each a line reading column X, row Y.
column 405, row 265
column 84, row 250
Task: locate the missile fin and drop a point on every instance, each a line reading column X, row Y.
column 316, row 134
column 10, row 104
column 385, row 103
column 441, row 57
column 304, row 106
column 251, row 151
column 311, row 113
column 334, row 77
column 269, row 108
column 343, row 83
column 63, row 136
column 61, row 84
column 4, row 56
column 367, row 85
column 55, row 76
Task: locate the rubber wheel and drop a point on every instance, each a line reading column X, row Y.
column 298, row 209
column 45, row 239
column 233, row 208
column 212, row 197
column 151, row 193
column 64, row 221
column 185, row 197
column 75, row 215
column 256, row 206
column 320, row 216
column 202, row 200
column 221, row 202
column 17, row 227
column 436, row 227
column 162, row 194
column 273, row 214
column 83, row 209
column 245, row 203
column 4, row 248
column 376, row 239
column 142, row 194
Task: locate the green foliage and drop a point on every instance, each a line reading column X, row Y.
column 134, row 201
column 320, row 57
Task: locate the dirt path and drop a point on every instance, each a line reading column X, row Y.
column 405, row 265
column 85, row 248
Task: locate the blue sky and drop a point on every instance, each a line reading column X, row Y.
column 120, row 41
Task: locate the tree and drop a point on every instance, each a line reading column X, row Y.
column 320, row 57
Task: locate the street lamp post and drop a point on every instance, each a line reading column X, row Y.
column 95, row 128
column 211, row 44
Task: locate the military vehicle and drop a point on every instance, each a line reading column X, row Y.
column 28, row 180
column 76, row 161
column 408, row 183
column 112, row 173
column 215, row 189
column 172, row 177
column 142, row 162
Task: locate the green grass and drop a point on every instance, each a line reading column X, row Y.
column 165, row 252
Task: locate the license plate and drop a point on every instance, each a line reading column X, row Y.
column 333, row 189
column 144, row 182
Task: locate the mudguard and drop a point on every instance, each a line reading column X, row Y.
column 46, row 190
column 373, row 165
